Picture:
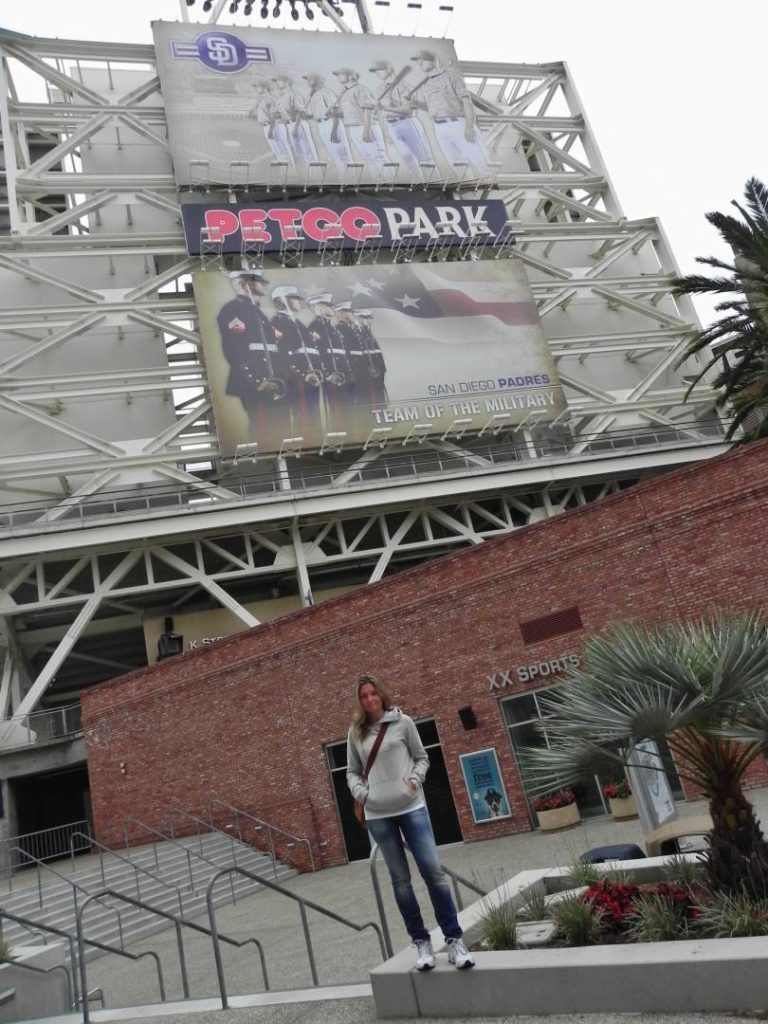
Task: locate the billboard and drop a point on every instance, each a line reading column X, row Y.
column 269, row 224
column 247, row 105
column 403, row 350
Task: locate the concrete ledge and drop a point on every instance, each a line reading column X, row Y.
column 657, row 977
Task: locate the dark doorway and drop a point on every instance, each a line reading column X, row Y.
column 437, row 794
column 47, row 801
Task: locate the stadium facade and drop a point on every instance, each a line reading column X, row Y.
column 147, row 507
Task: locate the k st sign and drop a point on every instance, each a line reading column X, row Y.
column 271, row 224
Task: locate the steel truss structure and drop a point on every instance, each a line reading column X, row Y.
column 117, row 505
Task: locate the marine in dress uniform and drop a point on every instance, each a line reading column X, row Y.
column 337, row 371
column 377, row 368
column 274, row 128
column 398, row 112
column 358, row 108
column 445, row 97
column 291, row 106
column 323, row 108
column 257, row 366
column 305, row 373
column 364, row 391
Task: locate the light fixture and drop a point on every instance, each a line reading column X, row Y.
column 308, row 11
column 234, row 6
column 294, row 12
column 207, row 5
column 248, row 9
column 265, row 8
column 276, row 9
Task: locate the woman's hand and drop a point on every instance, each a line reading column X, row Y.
column 410, row 784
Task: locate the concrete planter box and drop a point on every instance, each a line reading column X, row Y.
column 658, row 977
column 36, row 995
column 622, row 808
column 559, row 818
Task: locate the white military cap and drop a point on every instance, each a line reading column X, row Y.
column 366, row 314
column 286, row 291
column 254, row 275
column 343, row 307
column 326, row 299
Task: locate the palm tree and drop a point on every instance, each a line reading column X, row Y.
column 741, row 332
column 703, row 687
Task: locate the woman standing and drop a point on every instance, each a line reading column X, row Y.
column 395, row 811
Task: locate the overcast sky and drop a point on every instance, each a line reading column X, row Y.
column 673, row 89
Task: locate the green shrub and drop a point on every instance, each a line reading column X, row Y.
column 584, row 873
column 498, row 926
column 533, row 904
column 656, row 918
column 680, row 871
column 577, row 923
column 725, row 916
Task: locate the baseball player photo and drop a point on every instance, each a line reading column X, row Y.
column 275, row 130
column 398, row 113
column 291, row 104
column 443, row 93
column 323, row 109
column 358, row 108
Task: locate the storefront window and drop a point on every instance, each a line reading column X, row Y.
column 525, row 718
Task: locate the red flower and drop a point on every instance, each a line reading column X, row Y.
column 551, row 801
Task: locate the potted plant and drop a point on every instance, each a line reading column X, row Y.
column 557, row 810
column 620, row 799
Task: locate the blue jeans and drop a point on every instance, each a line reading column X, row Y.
column 415, row 828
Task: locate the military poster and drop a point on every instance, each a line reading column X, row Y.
column 377, row 353
column 482, row 777
column 256, row 106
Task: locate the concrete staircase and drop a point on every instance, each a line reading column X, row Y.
column 170, row 876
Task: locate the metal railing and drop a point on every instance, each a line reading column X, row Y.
column 166, row 839
column 71, row 995
column 179, row 923
column 421, row 461
column 137, row 870
column 455, row 877
column 40, row 727
column 75, row 889
column 76, row 951
column 303, row 904
column 45, row 844
column 259, row 825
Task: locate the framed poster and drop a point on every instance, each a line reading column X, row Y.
column 482, row 777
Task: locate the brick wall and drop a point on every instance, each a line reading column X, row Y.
column 248, row 719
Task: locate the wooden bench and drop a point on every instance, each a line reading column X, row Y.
column 664, row 839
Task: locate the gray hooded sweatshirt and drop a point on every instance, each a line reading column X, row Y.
column 401, row 757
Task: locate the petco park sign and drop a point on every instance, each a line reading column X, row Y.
column 537, row 670
column 237, row 226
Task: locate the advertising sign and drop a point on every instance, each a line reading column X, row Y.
column 405, row 350
column 269, row 224
column 482, row 777
column 248, row 105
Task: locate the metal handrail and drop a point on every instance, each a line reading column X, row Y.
column 88, row 942
column 43, row 832
column 616, row 443
column 71, row 997
column 136, row 869
column 303, row 904
column 170, row 839
column 262, row 824
column 455, row 877
column 211, row 830
column 179, row 922
column 75, row 888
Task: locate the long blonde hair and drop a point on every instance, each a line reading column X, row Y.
column 359, row 719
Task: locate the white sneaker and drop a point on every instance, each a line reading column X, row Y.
column 459, row 955
column 425, row 955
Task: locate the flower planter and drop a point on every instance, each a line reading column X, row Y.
column 559, row 818
column 622, row 808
